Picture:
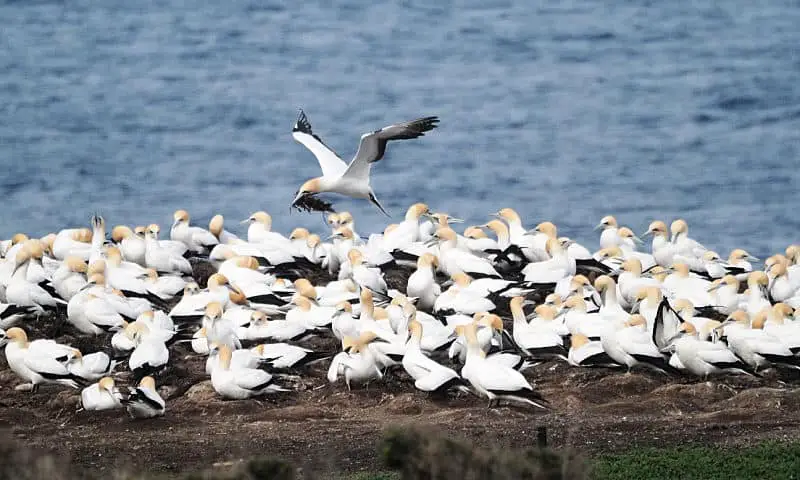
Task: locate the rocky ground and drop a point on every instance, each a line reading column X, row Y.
column 327, row 429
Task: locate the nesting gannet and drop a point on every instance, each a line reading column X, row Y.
column 150, row 354
column 91, row 313
column 535, row 339
column 162, row 259
column 663, row 250
column 364, row 276
column 284, row 355
column 725, row 294
column 240, row 383
column 102, row 395
column 627, row 342
column 218, row 329
column 558, row 266
column 757, row 297
column 198, row 240
column 687, row 250
column 584, row 352
column 493, row 380
column 454, row 260
column 40, row 361
column 781, row 287
column 91, row 366
column 357, row 363
column 681, row 283
column 780, row 323
column 22, row 292
column 131, row 245
column 11, row 314
column 460, row 298
column 144, row 400
column 608, row 236
column 755, row 346
column 72, row 241
column 191, row 306
column 422, row 283
column 165, row 286
column 702, row 357
column 351, row 180
column 530, row 245
column 217, row 228
column 428, row 375
column 70, row 277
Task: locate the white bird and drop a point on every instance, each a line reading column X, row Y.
column 219, row 330
column 92, row 366
column 609, row 236
column 197, row 239
column 428, row 375
column 70, row 277
column 587, row 353
column 162, row 259
column 284, row 355
column 755, row 346
column 532, row 245
column 493, row 380
column 11, row 315
column 364, row 276
column 240, row 383
column 535, row 339
column 422, row 283
column 164, row 286
column 702, row 357
column 558, row 266
column 357, row 363
column 72, row 241
column 725, row 294
column 453, row 259
column 351, row 180
column 663, row 250
column 102, row 395
column 460, row 298
column 260, row 231
column 20, row 290
column 40, row 361
column 217, row 228
column 144, row 401
column 91, row 313
column 150, row 354
column 131, row 245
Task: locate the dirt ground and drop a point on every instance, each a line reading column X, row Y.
column 325, row 428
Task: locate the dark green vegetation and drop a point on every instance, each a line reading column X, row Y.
column 418, row 454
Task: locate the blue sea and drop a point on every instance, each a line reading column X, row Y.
column 564, row 110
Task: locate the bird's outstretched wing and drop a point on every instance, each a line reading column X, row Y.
column 329, row 162
column 373, row 145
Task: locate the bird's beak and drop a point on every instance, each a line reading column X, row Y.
column 497, row 215
column 455, row 220
column 532, row 231
column 713, row 288
column 647, row 233
column 637, row 239
column 246, row 220
column 752, row 258
column 598, row 226
column 635, row 307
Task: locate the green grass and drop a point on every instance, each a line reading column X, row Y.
column 763, row 461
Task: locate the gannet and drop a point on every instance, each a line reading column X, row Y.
column 609, row 236
column 755, row 346
column 351, row 180
column 162, row 259
column 364, row 276
column 218, row 330
column 150, row 354
column 284, row 355
column 459, row 298
column 197, row 239
column 422, row 283
column 535, row 339
column 454, row 260
column 494, row 380
column 217, row 228
column 11, row 314
column 356, row 363
column 428, row 375
column 102, row 395
column 725, row 294
column 519, row 237
column 23, row 293
column 40, row 361
column 757, row 296
column 144, row 401
column 72, row 241
column 131, row 245
column 240, row 383
column 702, row 357
column 165, row 286
column 558, row 266
column 584, row 352
column 663, row 250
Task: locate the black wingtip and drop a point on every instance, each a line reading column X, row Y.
column 302, row 124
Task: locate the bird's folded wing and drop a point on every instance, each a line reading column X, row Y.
column 251, row 379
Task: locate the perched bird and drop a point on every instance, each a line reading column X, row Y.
column 102, row 395
column 242, row 382
column 144, row 401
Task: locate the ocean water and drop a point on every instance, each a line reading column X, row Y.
column 565, row 110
